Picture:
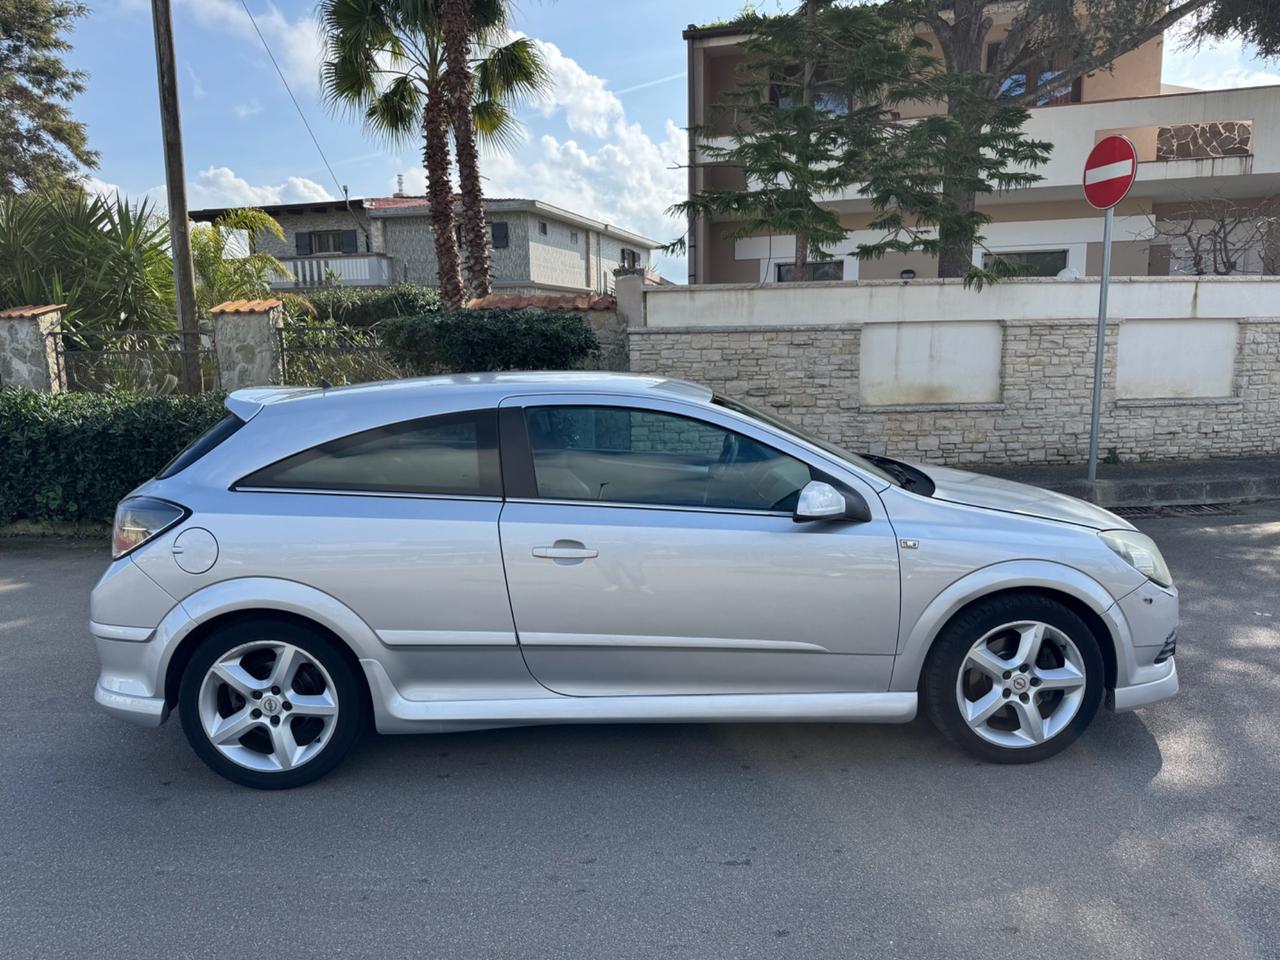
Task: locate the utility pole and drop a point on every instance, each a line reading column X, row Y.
column 184, row 279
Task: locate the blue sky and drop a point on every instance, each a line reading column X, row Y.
column 604, row 143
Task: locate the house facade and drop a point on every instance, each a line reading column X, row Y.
column 537, row 248
column 1194, row 147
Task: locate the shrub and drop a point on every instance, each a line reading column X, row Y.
column 72, row 456
column 472, row 341
column 360, row 307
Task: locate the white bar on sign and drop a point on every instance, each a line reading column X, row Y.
column 1111, row 171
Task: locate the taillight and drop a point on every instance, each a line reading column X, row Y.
column 139, row 519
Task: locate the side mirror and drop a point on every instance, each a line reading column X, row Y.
column 819, row 500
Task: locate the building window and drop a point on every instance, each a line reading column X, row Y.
column 1031, row 263
column 820, row 270
column 629, row 258
column 1015, row 84
column 542, row 228
column 501, row 235
column 573, row 236
column 326, row 241
column 826, row 96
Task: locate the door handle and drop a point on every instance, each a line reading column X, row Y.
column 565, row 550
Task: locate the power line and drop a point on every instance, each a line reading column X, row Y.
column 303, row 117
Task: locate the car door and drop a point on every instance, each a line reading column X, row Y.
column 650, row 548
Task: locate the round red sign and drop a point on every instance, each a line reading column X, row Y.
column 1110, row 171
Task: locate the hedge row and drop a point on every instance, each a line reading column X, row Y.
column 72, row 456
column 472, row 341
column 364, row 306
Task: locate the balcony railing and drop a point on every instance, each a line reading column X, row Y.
column 355, row 270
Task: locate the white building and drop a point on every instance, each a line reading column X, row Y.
column 1192, row 146
column 537, row 248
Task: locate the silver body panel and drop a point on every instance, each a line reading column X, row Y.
column 468, row 612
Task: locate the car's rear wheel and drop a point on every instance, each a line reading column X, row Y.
column 269, row 704
column 1014, row 679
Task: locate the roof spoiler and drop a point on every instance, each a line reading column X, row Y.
column 246, row 404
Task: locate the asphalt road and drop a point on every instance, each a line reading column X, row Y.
column 1155, row 836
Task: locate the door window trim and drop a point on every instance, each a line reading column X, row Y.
column 520, row 480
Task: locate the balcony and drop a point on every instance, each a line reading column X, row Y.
column 1212, row 142
column 351, row 269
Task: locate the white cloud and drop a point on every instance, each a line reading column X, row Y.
column 197, row 88
column 1214, row 65
column 250, row 109
column 156, row 195
column 221, row 187
column 295, row 43
column 588, row 106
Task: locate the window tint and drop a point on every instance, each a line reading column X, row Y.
column 1036, row 263
column 625, row 455
column 449, row 455
column 817, row 270
column 201, row 446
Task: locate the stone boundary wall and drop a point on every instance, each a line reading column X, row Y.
column 809, row 374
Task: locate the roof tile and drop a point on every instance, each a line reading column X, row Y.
column 247, row 306
column 579, row 302
column 16, row 313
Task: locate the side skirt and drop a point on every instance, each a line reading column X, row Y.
column 394, row 714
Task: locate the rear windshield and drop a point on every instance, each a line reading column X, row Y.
column 202, row 445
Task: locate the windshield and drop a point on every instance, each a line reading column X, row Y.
column 779, row 424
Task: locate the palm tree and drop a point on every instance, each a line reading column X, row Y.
column 387, row 59
column 224, row 272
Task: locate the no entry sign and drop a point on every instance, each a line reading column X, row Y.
column 1109, row 172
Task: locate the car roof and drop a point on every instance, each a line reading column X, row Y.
column 479, row 389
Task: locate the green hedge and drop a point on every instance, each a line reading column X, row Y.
column 471, row 341
column 72, row 456
column 363, row 307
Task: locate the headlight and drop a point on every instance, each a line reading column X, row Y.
column 138, row 519
column 1140, row 552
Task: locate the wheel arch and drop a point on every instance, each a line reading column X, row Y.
column 257, row 598
column 1077, row 591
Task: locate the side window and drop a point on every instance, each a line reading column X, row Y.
column 625, row 455
column 455, row 454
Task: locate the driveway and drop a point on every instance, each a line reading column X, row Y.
column 1155, row 836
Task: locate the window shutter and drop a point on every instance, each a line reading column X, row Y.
column 303, row 241
column 348, row 242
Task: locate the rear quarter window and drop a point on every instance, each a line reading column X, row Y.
column 449, row 455
column 201, row 446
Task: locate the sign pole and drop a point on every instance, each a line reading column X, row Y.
column 1100, row 345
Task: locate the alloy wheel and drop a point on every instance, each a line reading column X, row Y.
column 1021, row 684
column 268, row 706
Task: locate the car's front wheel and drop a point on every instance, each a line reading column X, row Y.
column 269, row 704
column 1014, row 679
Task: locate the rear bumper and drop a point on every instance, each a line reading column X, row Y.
column 144, row 711
column 1163, row 683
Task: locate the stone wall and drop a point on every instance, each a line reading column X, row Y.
column 246, row 337
column 810, row 375
column 28, row 355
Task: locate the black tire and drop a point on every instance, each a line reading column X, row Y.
column 942, row 668
column 347, row 690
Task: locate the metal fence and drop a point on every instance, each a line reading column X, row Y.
column 314, row 351
column 144, row 361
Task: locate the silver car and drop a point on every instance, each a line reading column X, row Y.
column 459, row 553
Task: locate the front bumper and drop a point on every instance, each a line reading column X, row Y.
column 1162, row 685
